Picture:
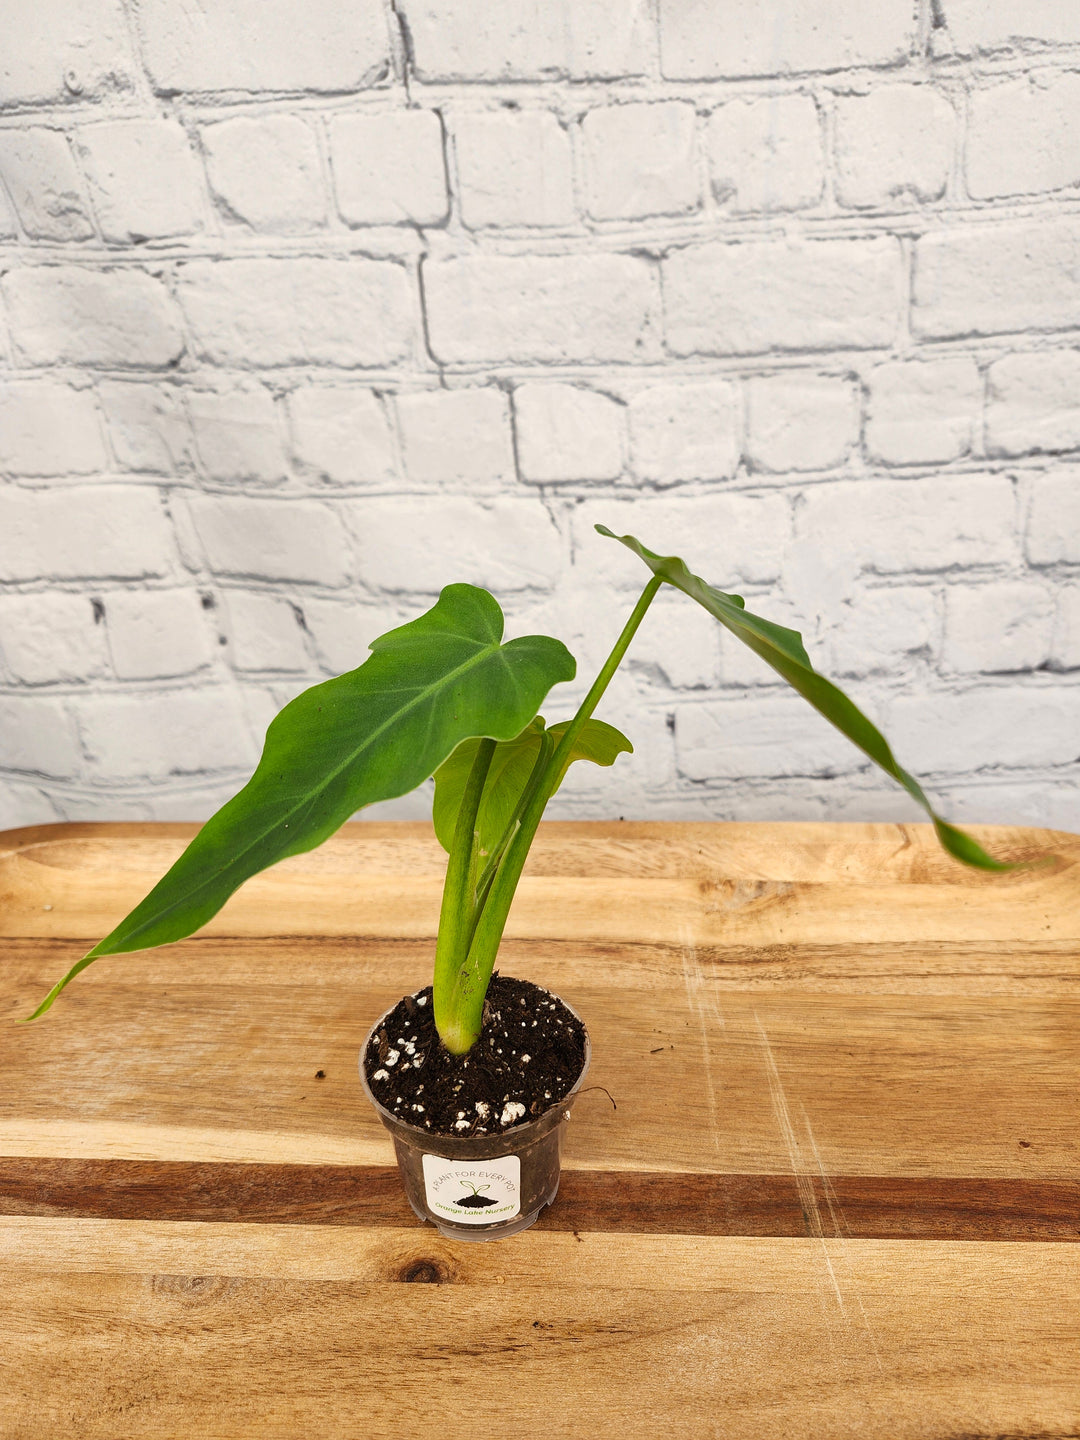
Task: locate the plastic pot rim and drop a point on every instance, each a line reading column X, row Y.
column 512, row 1141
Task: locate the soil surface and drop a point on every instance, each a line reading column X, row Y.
column 527, row 1059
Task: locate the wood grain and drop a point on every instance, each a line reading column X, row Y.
column 643, row 1202
column 124, row 1329
column 839, row 1195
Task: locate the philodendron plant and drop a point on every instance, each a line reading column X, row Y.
column 443, row 696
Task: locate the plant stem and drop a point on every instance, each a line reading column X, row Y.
column 465, row 1010
column 458, row 914
column 483, row 885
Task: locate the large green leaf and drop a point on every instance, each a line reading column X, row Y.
column 511, row 766
column 370, row 735
column 783, row 649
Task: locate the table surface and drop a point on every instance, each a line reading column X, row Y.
column 826, row 1184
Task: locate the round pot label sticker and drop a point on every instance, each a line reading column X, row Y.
column 473, row 1192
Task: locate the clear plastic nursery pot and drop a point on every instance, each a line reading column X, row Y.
column 486, row 1186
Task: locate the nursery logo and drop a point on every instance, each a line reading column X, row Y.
column 473, row 1192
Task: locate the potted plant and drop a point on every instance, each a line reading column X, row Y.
column 475, row 1074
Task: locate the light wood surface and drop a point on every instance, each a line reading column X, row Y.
column 839, row 1195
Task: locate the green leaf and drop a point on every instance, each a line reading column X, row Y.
column 370, row 735
column 783, row 649
column 511, row 767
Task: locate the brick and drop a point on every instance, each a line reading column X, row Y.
column 51, row 636
column 265, row 632
column 994, row 24
column 189, row 806
column 766, row 154
column 342, row 630
column 88, row 532
column 545, row 308
column 236, row 434
column 917, row 525
column 1024, row 137
column 65, row 49
column 348, row 312
column 38, row 737
column 340, row 433
column 726, row 539
column 261, row 705
column 686, row 431
column 986, row 726
column 759, row 296
column 265, row 173
column 148, row 426
column 143, row 178
column 514, row 168
column 750, row 735
column 922, row 411
column 580, row 612
column 893, row 147
column 681, row 641
column 25, row 805
column 154, row 634
column 641, row 160
column 879, row 632
column 298, row 540
column 451, row 437
column 48, row 428
column 185, row 732
column 45, row 185
column 1054, row 524
column 1034, row 403
column 506, row 544
column 700, row 40
column 800, row 422
column 567, row 432
column 101, row 801
column 534, row 40
column 258, row 45
column 1029, row 801
column 390, row 169
column 995, row 279
column 60, row 314
column 1065, row 647
column 1000, row 627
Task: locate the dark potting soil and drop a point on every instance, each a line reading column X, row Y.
column 527, row 1059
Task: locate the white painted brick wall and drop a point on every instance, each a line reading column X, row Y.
column 765, row 295
column 389, row 169
column 45, row 185
column 144, row 179
column 641, row 160
column 1034, row 403
column 797, row 421
column 685, row 432
column 67, row 314
column 309, row 308
column 1024, row 136
column 265, row 173
column 767, row 154
column 894, row 146
column 514, row 168
column 342, row 433
column 568, row 432
column 923, row 411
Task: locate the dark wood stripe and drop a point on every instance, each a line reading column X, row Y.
column 620, row 1202
column 859, row 1207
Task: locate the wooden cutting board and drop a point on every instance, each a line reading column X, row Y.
column 825, row 1181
